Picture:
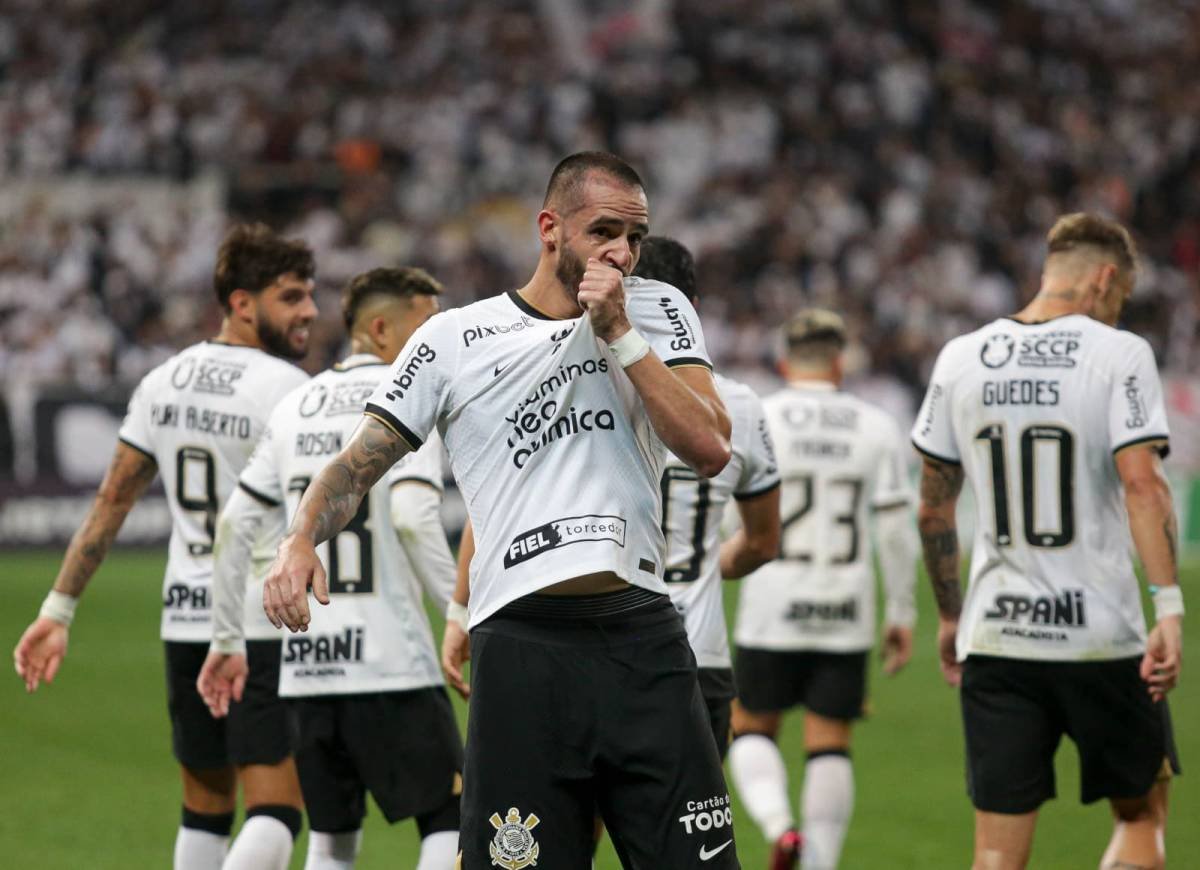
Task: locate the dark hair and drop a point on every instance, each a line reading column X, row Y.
column 397, row 282
column 1084, row 229
column 252, row 258
column 568, row 176
column 666, row 260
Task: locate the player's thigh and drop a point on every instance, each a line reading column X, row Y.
column 334, row 795
column 198, row 741
column 822, row 733
column 262, row 729
column 660, row 787
column 271, row 784
column 527, row 790
column 750, row 722
column 1003, row 840
column 716, row 687
column 1124, row 738
column 406, row 748
column 209, row 790
column 1012, row 729
column 836, row 686
column 769, row 681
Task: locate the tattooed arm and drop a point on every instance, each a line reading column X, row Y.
column 43, row 645
column 329, row 503
column 1155, row 535
column 941, row 484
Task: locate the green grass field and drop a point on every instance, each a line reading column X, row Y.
column 88, row 778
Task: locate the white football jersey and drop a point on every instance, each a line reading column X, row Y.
column 692, row 511
column 548, row 439
column 374, row 635
column 838, row 457
column 1034, row 413
column 199, row 415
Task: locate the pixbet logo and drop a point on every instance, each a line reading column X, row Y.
column 475, row 333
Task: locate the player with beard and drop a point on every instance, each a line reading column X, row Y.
column 557, row 403
column 197, row 418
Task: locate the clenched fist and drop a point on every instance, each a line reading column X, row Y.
column 602, row 295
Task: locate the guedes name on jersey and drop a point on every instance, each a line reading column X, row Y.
column 1020, row 392
column 202, row 420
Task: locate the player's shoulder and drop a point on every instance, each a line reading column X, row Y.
column 647, row 296
column 735, row 394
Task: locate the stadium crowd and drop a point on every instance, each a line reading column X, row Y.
column 900, row 161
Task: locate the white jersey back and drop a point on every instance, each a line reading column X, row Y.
column 374, row 635
column 1034, row 413
column 838, row 458
column 548, row 439
column 692, row 511
column 199, row 415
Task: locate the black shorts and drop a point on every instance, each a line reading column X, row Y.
column 591, row 704
column 197, row 739
column 716, row 687
column 262, row 728
column 1015, row 712
column 833, row 685
column 402, row 747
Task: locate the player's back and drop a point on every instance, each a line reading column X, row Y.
column 199, row 415
column 1034, row 413
column 692, row 512
column 374, row 635
column 837, row 458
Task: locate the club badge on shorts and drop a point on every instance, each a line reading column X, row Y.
column 513, row 847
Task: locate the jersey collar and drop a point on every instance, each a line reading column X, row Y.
column 520, row 301
column 815, row 386
column 357, row 360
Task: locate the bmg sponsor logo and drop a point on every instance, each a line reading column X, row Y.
column 479, row 332
column 1137, row 406
column 564, row 532
column 684, row 338
column 408, row 369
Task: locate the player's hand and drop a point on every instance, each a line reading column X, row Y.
column 40, row 651
column 897, row 648
column 456, row 650
column 285, row 591
column 602, row 296
column 1164, row 656
column 222, row 678
column 947, row 652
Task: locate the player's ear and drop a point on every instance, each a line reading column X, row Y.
column 242, row 305
column 548, row 225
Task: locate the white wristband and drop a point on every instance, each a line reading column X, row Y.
column 59, row 607
column 629, row 348
column 1168, row 600
column 457, row 613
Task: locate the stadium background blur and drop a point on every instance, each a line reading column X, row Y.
column 899, row 161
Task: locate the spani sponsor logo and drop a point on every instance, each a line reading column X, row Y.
column 1066, row 609
column 320, row 649
column 408, row 369
column 180, row 596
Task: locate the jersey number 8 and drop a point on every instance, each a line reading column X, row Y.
column 351, row 565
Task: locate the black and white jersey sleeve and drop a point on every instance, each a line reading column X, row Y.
column 1136, row 414
column 933, row 432
column 668, row 321
column 411, row 399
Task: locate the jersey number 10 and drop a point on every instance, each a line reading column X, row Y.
column 1054, row 437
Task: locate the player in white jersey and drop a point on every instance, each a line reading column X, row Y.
column 696, row 560
column 556, row 403
column 372, row 711
column 1057, row 419
column 196, row 418
column 806, row 621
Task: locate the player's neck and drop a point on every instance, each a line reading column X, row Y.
column 1054, row 299
column 240, row 334
column 545, row 293
column 808, row 379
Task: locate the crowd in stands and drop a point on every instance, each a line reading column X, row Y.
column 900, row 160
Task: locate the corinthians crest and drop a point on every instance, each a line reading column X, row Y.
column 513, row 847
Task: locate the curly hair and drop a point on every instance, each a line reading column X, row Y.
column 252, row 258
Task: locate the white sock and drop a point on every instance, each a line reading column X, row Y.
column 199, row 850
column 263, row 843
column 761, row 778
column 439, row 851
column 826, row 805
column 332, row 851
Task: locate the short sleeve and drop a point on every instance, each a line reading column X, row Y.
column 410, row 399
column 422, row 466
column 760, row 471
column 135, row 428
column 891, row 487
column 933, row 432
column 1135, row 405
column 260, row 477
column 667, row 320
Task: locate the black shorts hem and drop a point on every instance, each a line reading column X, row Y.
column 198, row 741
column 829, row 684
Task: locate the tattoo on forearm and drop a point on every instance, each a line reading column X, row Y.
column 940, row 483
column 334, row 496
column 128, row 476
column 939, row 541
column 1171, row 532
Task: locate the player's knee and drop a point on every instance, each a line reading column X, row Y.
column 272, row 784
column 210, row 790
column 1133, row 810
column 744, row 723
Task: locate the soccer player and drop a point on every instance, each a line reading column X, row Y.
column 806, row 622
column 557, row 402
column 197, row 417
column 696, row 560
column 372, row 711
column 1057, row 419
